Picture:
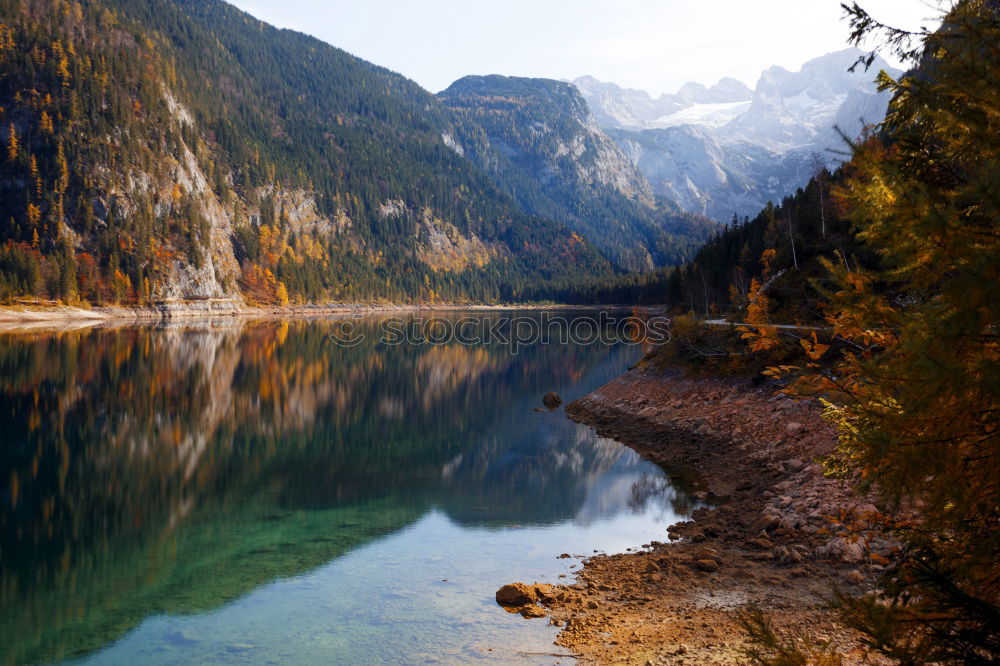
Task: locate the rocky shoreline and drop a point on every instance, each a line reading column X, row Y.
column 776, row 533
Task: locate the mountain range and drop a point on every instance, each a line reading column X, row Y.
column 161, row 151
column 177, row 150
column 727, row 149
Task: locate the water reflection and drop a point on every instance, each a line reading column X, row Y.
column 174, row 470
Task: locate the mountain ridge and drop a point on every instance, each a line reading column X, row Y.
column 787, row 121
column 541, row 145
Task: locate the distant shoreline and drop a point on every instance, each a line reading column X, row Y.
column 14, row 318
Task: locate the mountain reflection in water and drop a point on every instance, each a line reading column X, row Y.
column 170, row 471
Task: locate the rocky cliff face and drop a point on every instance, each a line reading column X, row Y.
column 178, row 187
column 727, row 149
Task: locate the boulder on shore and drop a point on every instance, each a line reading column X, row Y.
column 552, row 400
column 516, row 594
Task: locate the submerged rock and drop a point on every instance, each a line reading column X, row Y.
column 552, row 400
column 182, row 637
column 239, row 647
column 532, row 611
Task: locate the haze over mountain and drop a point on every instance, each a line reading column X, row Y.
column 727, row 149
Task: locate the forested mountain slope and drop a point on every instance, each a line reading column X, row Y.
column 783, row 247
column 156, row 150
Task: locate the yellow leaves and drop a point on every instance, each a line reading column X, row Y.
column 62, row 169
column 759, row 334
column 57, row 214
column 40, row 56
column 760, row 339
column 62, row 64
column 35, row 176
column 307, row 247
column 766, row 257
column 857, row 280
column 776, row 372
column 122, row 285
column 757, row 308
column 272, row 245
column 45, row 123
column 265, row 388
column 882, row 193
column 6, row 38
column 34, row 214
column 814, row 349
column 13, row 144
column 261, row 285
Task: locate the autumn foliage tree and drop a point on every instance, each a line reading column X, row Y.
column 916, row 391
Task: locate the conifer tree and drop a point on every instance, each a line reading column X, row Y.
column 917, row 395
column 13, row 145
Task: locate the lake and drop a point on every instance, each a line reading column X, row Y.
column 285, row 492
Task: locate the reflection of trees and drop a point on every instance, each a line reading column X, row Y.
column 534, row 468
column 172, row 470
column 518, row 475
column 666, row 493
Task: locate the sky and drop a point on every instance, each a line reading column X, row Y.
column 652, row 45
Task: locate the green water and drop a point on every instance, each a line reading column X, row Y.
column 252, row 492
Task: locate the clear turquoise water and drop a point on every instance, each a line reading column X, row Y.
column 252, row 493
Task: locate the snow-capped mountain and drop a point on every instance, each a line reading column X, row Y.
column 727, row 149
column 687, row 165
